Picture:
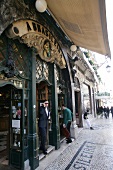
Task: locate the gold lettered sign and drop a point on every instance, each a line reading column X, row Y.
column 35, row 35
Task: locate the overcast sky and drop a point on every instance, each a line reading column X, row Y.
column 109, row 13
column 107, row 77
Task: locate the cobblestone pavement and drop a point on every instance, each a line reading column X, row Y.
column 92, row 150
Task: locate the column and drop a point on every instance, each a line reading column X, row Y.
column 32, row 137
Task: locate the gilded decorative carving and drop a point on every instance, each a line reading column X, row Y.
column 35, row 35
column 45, row 48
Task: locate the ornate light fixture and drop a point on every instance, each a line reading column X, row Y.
column 74, row 55
column 41, row 5
column 73, row 48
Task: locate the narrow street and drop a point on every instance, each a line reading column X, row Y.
column 92, row 150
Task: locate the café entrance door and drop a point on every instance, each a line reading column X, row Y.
column 41, row 95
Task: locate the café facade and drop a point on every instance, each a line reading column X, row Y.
column 35, row 64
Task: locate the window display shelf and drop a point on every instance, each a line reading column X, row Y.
column 16, row 119
column 19, row 126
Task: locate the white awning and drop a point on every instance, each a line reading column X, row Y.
column 84, row 22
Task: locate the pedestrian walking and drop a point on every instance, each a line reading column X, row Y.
column 105, row 112
column 67, row 119
column 112, row 111
column 87, row 120
column 101, row 109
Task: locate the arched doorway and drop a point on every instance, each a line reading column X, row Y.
column 77, row 96
column 43, row 93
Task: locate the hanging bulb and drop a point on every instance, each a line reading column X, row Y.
column 73, row 48
column 41, row 5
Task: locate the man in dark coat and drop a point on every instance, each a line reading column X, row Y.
column 43, row 123
column 112, row 111
column 105, row 112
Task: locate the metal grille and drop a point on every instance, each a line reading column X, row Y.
column 18, row 53
column 45, row 70
column 57, row 74
column 42, row 69
column 2, row 53
column 38, row 69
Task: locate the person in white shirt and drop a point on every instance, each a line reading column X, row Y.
column 87, row 120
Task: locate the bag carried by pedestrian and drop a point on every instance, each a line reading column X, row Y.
column 65, row 132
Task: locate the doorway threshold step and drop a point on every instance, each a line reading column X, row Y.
column 3, row 159
column 62, row 140
column 49, row 150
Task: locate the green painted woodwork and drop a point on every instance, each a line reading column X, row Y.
column 15, row 158
column 55, row 133
column 32, row 136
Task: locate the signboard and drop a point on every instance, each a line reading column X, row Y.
column 35, row 35
column 16, row 123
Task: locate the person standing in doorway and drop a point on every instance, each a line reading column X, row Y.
column 67, row 119
column 43, row 123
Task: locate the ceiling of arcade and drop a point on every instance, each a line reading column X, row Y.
column 84, row 22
